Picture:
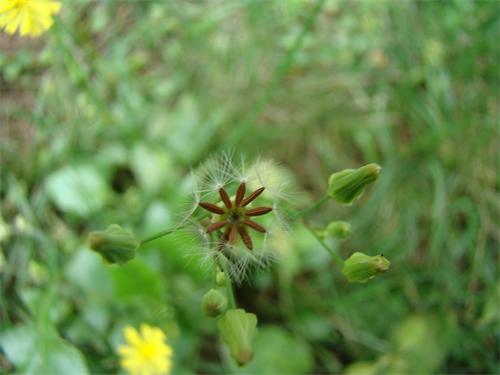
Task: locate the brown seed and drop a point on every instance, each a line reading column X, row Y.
column 240, row 193
column 212, row 208
column 258, row 211
column 247, row 240
column 215, row 226
column 223, row 239
column 225, row 236
column 252, row 196
column 225, row 198
column 252, row 224
column 232, row 234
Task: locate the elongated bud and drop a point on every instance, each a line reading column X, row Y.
column 237, row 329
column 115, row 244
column 220, row 278
column 349, row 184
column 214, row 303
column 338, row 229
column 360, row 267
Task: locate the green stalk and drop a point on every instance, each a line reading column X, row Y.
column 229, row 286
column 166, row 232
column 330, row 251
column 305, row 213
column 157, row 235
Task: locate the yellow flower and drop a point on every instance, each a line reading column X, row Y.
column 31, row 17
column 145, row 353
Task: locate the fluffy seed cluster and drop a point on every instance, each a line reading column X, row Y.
column 238, row 210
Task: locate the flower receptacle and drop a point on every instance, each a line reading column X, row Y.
column 338, row 229
column 237, row 329
column 220, row 279
column 214, row 303
column 115, row 244
column 348, row 185
column 360, row 267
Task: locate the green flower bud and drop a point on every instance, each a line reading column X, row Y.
column 360, row 267
column 214, row 303
column 349, row 184
column 238, row 329
column 115, row 244
column 338, row 229
column 220, row 279
column 321, row 233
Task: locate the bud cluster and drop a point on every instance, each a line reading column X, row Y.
column 237, row 209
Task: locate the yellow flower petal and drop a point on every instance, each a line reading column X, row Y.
column 13, row 22
column 30, row 17
column 145, row 352
column 124, row 350
column 132, row 336
column 152, row 334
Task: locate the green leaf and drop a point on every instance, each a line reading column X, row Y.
column 365, row 368
column 279, row 352
column 78, row 190
column 152, row 167
column 136, row 279
column 42, row 352
column 17, row 342
column 187, row 127
column 87, row 270
column 422, row 343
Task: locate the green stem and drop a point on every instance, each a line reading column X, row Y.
column 157, row 235
column 330, row 251
column 230, row 295
column 305, row 213
column 229, row 287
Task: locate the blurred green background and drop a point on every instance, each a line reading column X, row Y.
column 103, row 117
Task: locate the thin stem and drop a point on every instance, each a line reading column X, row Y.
column 229, row 286
column 330, row 251
column 157, row 235
column 230, row 295
column 166, row 232
column 305, row 213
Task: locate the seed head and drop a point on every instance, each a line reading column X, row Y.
column 240, row 207
column 235, row 217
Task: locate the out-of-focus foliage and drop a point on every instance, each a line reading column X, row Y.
column 102, row 118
